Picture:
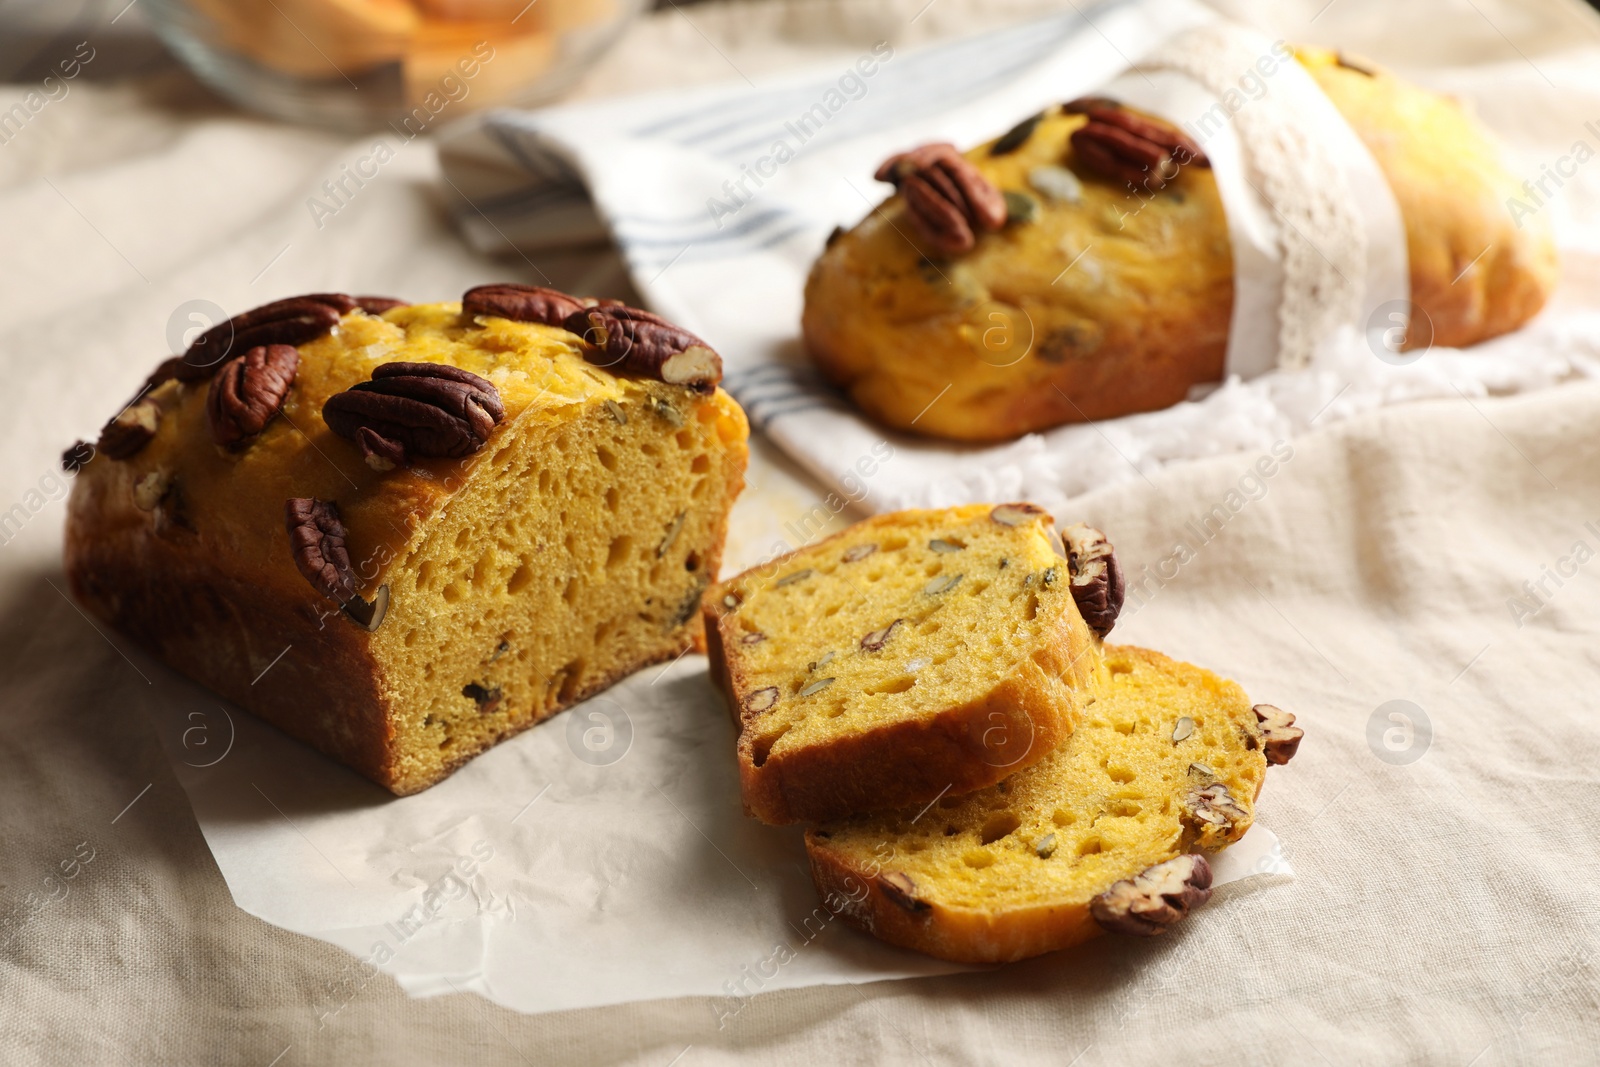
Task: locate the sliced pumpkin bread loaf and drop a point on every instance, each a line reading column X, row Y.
column 1108, row 832
column 916, row 655
column 404, row 534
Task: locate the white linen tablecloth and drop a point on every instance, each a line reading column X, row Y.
column 1418, row 584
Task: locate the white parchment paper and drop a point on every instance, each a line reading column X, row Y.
column 598, row 858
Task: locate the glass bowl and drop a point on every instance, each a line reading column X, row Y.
column 410, row 64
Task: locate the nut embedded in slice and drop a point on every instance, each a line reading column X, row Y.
column 1097, row 583
column 1214, row 814
column 899, row 887
column 1153, row 900
column 1280, row 734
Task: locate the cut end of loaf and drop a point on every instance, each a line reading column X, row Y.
column 577, row 554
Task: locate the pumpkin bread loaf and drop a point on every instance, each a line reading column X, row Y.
column 1079, row 267
column 915, row 655
column 403, row 534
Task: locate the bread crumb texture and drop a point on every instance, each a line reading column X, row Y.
column 893, row 621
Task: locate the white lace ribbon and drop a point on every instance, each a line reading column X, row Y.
column 1318, row 242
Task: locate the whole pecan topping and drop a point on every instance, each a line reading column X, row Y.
column 248, row 391
column 1122, row 144
column 283, row 322
column 1278, row 730
column 415, row 409
column 131, row 429
column 1097, row 584
column 632, row 341
column 1151, row 901
column 520, row 303
column 317, row 538
column 949, row 199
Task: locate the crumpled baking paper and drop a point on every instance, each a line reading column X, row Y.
column 598, row 858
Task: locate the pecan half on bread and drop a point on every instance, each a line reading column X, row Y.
column 247, row 393
column 520, row 303
column 949, row 199
column 292, row 321
column 629, row 340
column 318, row 542
column 1097, row 584
column 415, row 409
column 1122, row 144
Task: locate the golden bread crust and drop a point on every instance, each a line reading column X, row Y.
column 1475, row 272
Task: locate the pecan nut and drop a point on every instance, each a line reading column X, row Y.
column 1151, row 901
column 131, row 429
column 902, row 892
column 520, row 303
column 633, row 341
column 317, row 539
column 415, row 409
column 1097, row 584
column 1278, row 731
column 377, row 305
column 77, row 457
column 293, row 321
column 1213, row 813
column 874, row 641
column 949, row 199
column 1119, row 143
column 247, row 393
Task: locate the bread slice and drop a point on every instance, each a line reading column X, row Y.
column 492, row 579
column 1169, row 760
column 916, row 655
